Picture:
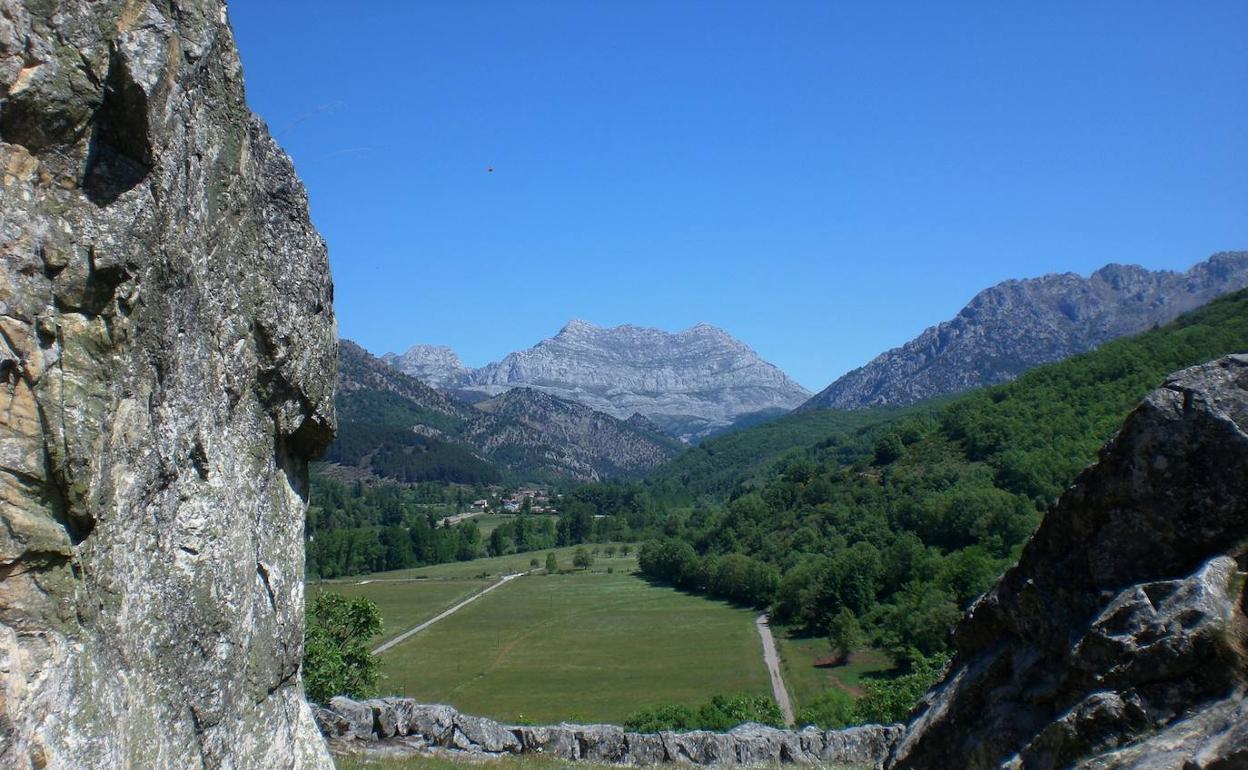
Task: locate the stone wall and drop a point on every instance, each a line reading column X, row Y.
column 401, row 725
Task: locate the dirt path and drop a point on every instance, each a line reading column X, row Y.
column 445, row 613
column 772, row 659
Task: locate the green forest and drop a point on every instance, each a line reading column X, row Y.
column 895, row 524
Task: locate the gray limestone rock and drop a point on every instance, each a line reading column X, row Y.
column 167, row 345
column 690, row 383
column 484, row 735
column 1119, row 634
column 435, row 365
column 1017, row 325
column 557, row 740
column 358, row 716
column 420, row 727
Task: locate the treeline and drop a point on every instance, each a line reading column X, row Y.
column 358, row 528
column 398, row 453
column 899, row 523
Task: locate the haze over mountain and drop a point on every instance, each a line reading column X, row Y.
column 1016, row 325
column 690, row 383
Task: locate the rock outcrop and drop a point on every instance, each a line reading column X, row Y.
column 401, row 725
column 1120, row 638
column 690, row 384
column 1017, row 325
column 167, row 350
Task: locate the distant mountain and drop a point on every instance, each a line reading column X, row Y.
column 689, row 384
column 394, row 426
column 435, row 365
column 1017, row 325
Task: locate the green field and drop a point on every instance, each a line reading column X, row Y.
column 404, row 604
column 589, row 646
column 805, row 682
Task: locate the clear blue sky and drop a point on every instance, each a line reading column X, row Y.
column 823, row 180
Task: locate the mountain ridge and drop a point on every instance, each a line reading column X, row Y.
column 1017, row 324
column 690, row 383
column 516, row 432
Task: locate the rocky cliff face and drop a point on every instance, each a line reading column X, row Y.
column 690, row 384
column 1017, row 325
column 1120, row 638
column 166, row 357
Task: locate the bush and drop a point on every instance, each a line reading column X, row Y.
column 722, row 712
column 834, row 708
column 885, row 701
column 336, row 656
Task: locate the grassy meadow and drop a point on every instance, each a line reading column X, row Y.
column 805, row 681
column 589, row 645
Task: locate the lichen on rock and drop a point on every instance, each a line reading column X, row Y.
column 167, row 349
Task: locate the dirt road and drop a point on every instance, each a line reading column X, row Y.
column 445, row 613
column 772, row 659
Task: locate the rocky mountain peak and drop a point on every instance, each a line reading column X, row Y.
column 1019, row 324
column 686, row 383
column 436, row 365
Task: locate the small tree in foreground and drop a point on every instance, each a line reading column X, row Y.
column 336, row 656
column 552, row 565
column 581, row 559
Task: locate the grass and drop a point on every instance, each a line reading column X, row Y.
column 488, row 522
column 805, row 682
column 404, row 604
column 588, row 646
column 495, row 566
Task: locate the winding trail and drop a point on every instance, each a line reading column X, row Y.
column 772, row 659
column 446, row 613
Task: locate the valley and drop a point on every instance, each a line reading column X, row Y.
column 591, row 645
column 895, row 518
column 957, row 478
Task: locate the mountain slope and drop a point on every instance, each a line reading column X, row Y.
column 620, row 448
column 690, row 383
column 398, row 427
column 1016, row 325
column 903, row 521
column 1052, row 418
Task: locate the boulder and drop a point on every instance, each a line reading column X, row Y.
column 1120, row 631
column 358, row 716
column 481, row 734
column 558, row 740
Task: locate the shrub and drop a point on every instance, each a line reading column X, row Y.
column 336, row 656
column 834, row 708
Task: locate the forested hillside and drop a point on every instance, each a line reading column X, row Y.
column 896, row 524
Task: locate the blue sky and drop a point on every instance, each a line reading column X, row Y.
column 823, row 180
